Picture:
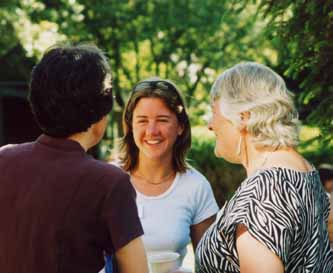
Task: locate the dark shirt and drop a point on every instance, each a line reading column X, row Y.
column 61, row 209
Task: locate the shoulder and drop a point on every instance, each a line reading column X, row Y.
column 194, row 181
column 200, row 196
column 272, row 177
column 107, row 170
column 14, row 149
column 107, row 176
column 195, row 176
column 8, row 148
column 277, row 182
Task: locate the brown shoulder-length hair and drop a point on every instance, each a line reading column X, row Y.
column 170, row 95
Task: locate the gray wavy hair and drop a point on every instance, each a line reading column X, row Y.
column 257, row 89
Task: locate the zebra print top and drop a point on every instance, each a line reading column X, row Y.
column 284, row 209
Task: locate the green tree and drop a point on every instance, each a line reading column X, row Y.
column 187, row 41
column 302, row 33
column 183, row 40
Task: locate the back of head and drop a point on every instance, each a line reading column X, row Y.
column 325, row 172
column 69, row 89
column 257, row 89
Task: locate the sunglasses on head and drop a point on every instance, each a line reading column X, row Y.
column 162, row 86
column 155, row 84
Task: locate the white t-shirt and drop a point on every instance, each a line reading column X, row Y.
column 166, row 219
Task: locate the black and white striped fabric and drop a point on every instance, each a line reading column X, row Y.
column 286, row 210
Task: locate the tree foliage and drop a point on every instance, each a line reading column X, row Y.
column 187, row 41
column 302, row 32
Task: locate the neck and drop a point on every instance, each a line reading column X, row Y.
column 92, row 135
column 83, row 141
column 161, row 170
column 253, row 158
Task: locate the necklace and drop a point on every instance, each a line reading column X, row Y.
column 152, row 182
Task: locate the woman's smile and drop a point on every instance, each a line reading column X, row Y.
column 155, row 128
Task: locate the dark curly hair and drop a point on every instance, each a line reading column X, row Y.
column 325, row 172
column 67, row 89
column 170, row 95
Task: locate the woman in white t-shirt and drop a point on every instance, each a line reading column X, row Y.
column 175, row 202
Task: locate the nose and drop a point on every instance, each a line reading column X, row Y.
column 152, row 128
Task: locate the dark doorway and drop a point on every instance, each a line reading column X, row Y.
column 17, row 121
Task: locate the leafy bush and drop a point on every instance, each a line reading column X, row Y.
column 225, row 177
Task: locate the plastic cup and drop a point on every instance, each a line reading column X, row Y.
column 163, row 261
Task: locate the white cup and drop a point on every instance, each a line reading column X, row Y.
column 163, row 261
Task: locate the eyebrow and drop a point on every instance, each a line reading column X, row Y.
column 159, row 116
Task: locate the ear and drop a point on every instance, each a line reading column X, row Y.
column 99, row 127
column 180, row 129
column 244, row 118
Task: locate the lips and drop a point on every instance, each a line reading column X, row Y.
column 153, row 142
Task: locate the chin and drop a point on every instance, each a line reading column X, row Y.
column 233, row 160
column 218, row 153
column 154, row 156
column 229, row 158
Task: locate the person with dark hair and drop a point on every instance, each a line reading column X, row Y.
column 61, row 209
column 175, row 201
column 326, row 176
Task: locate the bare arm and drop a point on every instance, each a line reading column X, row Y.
column 132, row 257
column 196, row 233
column 199, row 229
column 254, row 257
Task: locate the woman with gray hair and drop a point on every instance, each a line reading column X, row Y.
column 276, row 220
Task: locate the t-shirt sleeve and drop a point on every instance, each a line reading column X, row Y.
column 269, row 212
column 205, row 204
column 120, row 213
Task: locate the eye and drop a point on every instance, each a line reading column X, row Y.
column 141, row 121
column 164, row 120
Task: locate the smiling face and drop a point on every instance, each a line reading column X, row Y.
column 226, row 133
column 155, row 129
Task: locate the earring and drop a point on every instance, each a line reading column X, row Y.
column 239, row 148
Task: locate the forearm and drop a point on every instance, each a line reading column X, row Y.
column 132, row 258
